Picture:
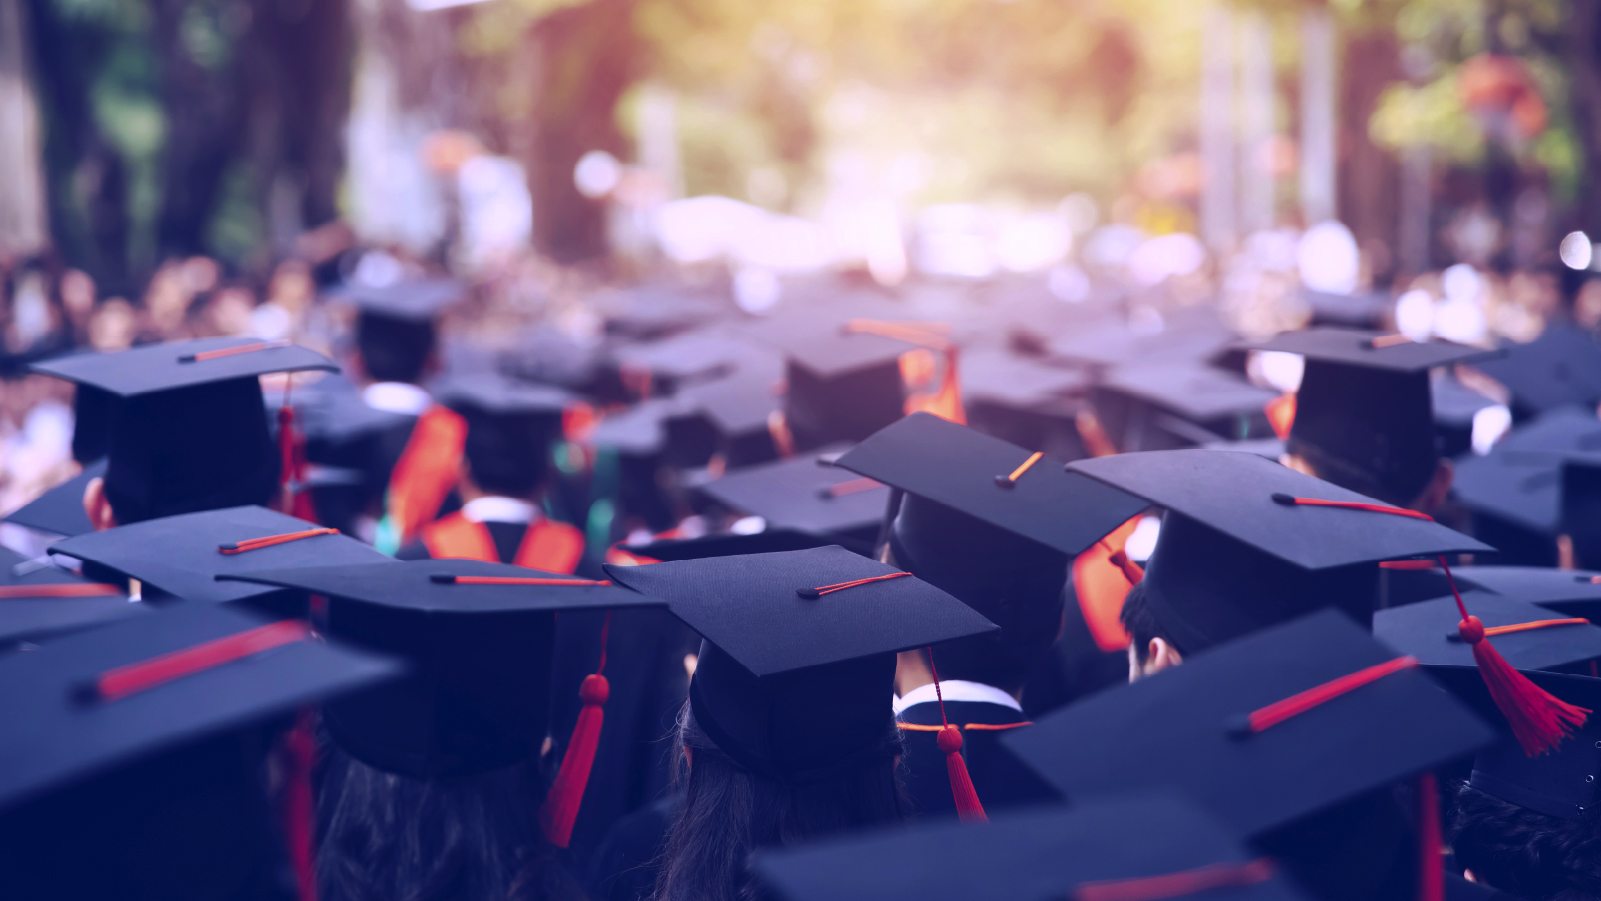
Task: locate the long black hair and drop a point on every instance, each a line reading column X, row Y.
column 730, row 812
column 388, row 837
column 1526, row 853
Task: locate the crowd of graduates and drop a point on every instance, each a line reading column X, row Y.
column 875, row 596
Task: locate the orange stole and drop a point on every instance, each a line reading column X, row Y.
column 427, row 469
column 553, row 547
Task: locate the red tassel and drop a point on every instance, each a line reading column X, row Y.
column 1431, row 878
column 300, row 756
column 1539, row 720
column 292, row 455
column 566, row 793
column 968, row 807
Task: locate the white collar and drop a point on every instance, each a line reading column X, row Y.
column 956, row 690
column 397, row 397
column 499, row 509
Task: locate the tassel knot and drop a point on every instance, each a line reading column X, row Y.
column 950, row 740
column 595, row 690
column 1471, row 630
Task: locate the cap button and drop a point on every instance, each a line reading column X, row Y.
column 809, row 593
column 442, row 579
column 1005, row 482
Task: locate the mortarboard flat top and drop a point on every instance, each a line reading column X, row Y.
column 830, row 352
column 638, row 429
column 1192, row 390
column 735, row 406
column 705, row 353
column 650, row 311
column 498, row 395
column 1524, row 494
column 1233, row 493
column 1455, row 403
column 1040, row 855
column 1016, row 382
column 1194, row 337
column 1567, row 590
column 1179, row 730
column 181, row 555
column 417, row 300
column 182, row 364
column 763, row 542
column 1428, row 631
column 429, row 587
column 59, row 510
column 23, row 617
column 804, row 494
column 69, row 740
column 750, row 607
column 1560, row 368
column 1266, row 448
column 962, row 469
column 1349, row 310
column 1370, row 350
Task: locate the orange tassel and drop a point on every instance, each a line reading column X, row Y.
column 566, row 794
column 968, row 807
column 1539, row 720
column 1431, row 879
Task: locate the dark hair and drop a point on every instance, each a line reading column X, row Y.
column 385, row 837
column 1399, row 488
column 730, row 812
column 394, row 350
column 1141, row 624
column 508, row 456
column 1006, row 659
column 1525, row 853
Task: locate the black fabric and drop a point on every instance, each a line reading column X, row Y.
column 1370, row 430
column 191, row 449
column 846, row 407
column 1428, row 631
column 624, row 865
column 59, row 510
column 173, row 365
column 794, row 494
column 1581, row 509
column 999, row 778
column 1560, row 368
column 92, row 412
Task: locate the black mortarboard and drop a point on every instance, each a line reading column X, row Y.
column 1364, row 415
column 510, row 427
column 92, row 412
column 190, row 430
column 1572, row 592
column 415, row 300
column 795, row 674
column 36, row 601
column 1581, row 507
column 1233, row 556
column 1361, row 311
column 1515, row 491
column 1039, row 855
column 1021, row 383
column 1189, row 729
column 183, row 555
column 654, row 311
column 766, row 541
column 740, row 412
column 967, row 471
column 1559, row 783
column 59, row 510
column 1560, row 368
column 1428, row 631
column 638, row 430
column 1192, row 337
column 698, row 356
column 1158, row 404
column 1455, row 407
column 478, row 697
column 807, row 494
column 840, row 385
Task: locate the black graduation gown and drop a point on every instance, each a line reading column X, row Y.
column 625, row 863
column 508, row 537
column 1000, row 779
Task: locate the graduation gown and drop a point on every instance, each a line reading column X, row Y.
column 1000, row 779
column 542, row 544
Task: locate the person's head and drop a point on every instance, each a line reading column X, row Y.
column 1428, row 499
column 730, row 812
column 1013, row 581
column 510, row 430
column 1150, row 648
column 1525, row 853
column 395, row 350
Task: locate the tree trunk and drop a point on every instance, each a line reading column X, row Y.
column 1582, row 48
column 23, row 228
column 1369, row 177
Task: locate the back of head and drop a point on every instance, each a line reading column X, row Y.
column 394, row 349
column 204, row 447
column 1532, row 855
column 509, row 453
column 1014, row 582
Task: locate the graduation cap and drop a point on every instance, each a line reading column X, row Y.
column 1364, row 417
column 1455, row 407
column 1154, row 405
column 842, row 384
column 38, row 601
column 480, row 637
column 510, row 428
column 1570, row 592
column 59, row 510
column 1281, row 734
column 183, row 555
column 655, row 311
column 92, row 412
column 795, row 675
column 764, row 542
column 638, row 430
column 1024, row 401
column 1247, row 543
column 1559, row 783
column 1528, row 636
column 740, row 412
column 134, row 777
column 1581, row 507
column 1107, row 848
column 190, row 429
column 1515, row 491
column 1561, row 368
column 806, row 493
column 1360, row 311
column 698, row 356
column 1195, row 336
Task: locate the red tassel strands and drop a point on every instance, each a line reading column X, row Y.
column 566, row 794
column 1431, row 878
column 1539, row 720
column 968, row 807
column 298, row 751
column 1177, row 885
